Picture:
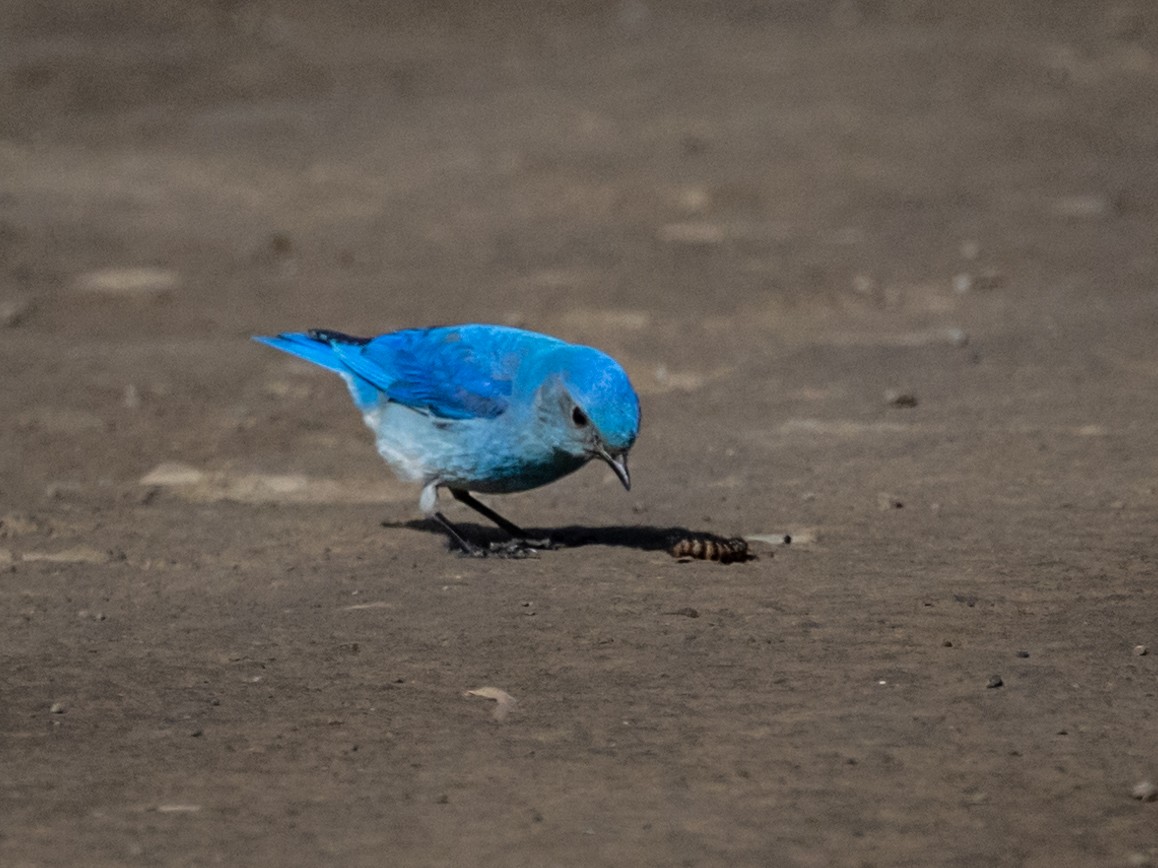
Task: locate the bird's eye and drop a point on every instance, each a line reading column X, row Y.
column 579, row 417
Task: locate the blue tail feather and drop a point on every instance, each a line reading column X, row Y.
column 305, row 347
column 319, row 351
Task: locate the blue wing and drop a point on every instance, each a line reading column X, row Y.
column 452, row 373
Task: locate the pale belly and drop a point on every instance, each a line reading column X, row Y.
column 482, row 455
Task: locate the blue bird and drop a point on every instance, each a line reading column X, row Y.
column 481, row 408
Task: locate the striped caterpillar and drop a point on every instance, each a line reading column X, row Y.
column 725, row 551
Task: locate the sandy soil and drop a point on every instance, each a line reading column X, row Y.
column 227, row 639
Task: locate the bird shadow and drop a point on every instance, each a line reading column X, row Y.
column 648, row 538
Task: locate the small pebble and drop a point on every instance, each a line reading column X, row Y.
column 129, row 282
column 862, row 284
column 886, row 502
column 897, row 398
column 1023, row 654
column 995, row 681
column 1145, row 791
column 56, row 708
column 1141, row 650
column 774, row 539
column 957, row 337
column 687, row 612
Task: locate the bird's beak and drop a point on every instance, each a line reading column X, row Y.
column 618, row 464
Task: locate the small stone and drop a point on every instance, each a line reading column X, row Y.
column 898, row 398
column 1141, row 650
column 995, row 681
column 776, row 539
column 131, row 282
column 886, row 502
column 1145, row 791
column 948, row 643
column 962, row 283
column 57, row 708
column 1023, row 654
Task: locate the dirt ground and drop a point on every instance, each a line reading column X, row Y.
column 228, row 638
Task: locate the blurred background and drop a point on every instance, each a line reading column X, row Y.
column 883, row 272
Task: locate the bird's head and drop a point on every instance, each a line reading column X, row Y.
column 592, row 408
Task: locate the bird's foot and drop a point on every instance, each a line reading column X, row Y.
column 518, row 549
column 515, row 549
column 512, row 550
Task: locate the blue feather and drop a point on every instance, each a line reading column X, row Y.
column 434, row 370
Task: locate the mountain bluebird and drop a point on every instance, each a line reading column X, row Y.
column 481, row 408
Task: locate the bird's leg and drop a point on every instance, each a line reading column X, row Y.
column 520, row 535
column 517, row 549
column 468, row 548
column 428, row 502
column 481, row 508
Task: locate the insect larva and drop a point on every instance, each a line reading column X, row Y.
column 702, row 548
